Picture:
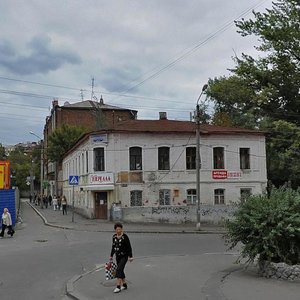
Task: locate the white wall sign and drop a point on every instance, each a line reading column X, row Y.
column 103, row 178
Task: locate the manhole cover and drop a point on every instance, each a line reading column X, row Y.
column 41, row 241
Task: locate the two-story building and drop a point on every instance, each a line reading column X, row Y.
column 147, row 168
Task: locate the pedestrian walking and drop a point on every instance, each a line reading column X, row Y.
column 45, row 201
column 121, row 247
column 54, row 202
column 6, row 223
column 64, row 204
column 50, row 200
column 59, row 202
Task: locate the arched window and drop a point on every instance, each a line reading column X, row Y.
column 219, row 158
column 164, row 158
column 191, row 158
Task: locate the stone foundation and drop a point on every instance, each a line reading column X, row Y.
column 279, row 271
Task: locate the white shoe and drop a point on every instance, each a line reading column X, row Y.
column 117, row 290
column 123, row 288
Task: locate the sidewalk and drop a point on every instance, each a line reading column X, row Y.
column 79, row 223
column 208, row 276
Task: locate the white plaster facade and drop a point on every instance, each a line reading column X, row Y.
column 115, row 184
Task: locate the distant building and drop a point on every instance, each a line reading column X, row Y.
column 147, row 168
column 89, row 114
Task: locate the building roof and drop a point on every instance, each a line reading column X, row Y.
column 168, row 126
column 88, row 104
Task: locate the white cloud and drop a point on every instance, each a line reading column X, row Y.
column 123, row 44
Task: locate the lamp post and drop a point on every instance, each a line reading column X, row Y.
column 198, row 162
column 42, row 165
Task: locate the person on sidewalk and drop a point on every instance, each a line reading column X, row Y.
column 59, row 202
column 121, row 247
column 64, row 204
column 54, row 202
column 6, row 223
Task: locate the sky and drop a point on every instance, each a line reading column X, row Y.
column 147, row 55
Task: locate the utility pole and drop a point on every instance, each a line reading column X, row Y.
column 32, row 179
column 42, row 167
column 198, row 158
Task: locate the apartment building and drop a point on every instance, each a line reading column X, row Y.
column 147, row 169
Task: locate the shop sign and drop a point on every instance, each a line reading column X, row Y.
column 103, row 178
column 219, row 174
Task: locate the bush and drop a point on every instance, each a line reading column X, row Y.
column 268, row 227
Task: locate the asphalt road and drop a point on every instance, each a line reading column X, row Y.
column 38, row 262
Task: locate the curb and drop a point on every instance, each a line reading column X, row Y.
column 70, row 290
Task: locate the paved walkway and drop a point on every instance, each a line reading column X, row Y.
column 77, row 222
column 210, row 276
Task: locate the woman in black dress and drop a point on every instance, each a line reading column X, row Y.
column 121, row 247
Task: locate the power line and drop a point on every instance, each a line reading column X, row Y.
column 160, row 70
column 193, row 49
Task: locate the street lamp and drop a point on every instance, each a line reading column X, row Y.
column 198, row 163
column 42, row 165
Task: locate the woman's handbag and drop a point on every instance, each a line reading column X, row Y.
column 110, row 270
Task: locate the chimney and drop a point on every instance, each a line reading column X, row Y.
column 54, row 103
column 101, row 100
column 162, row 115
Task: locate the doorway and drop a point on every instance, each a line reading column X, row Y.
column 101, row 205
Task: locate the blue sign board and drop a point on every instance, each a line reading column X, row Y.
column 73, row 180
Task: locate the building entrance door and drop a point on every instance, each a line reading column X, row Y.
column 101, row 205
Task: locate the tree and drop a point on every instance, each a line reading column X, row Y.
column 268, row 227
column 234, row 101
column 283, row 144
column 2, row 153
column 262, row 91
column 61, row 140
column 275, row 77
column 20, row 163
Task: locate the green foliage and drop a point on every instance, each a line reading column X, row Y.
column 263, row 92
column 61, row 140
column 235, row 98
column 283, row 144
column 275, row 75
column 20, row 163
column 268, row 228
column 2, row 153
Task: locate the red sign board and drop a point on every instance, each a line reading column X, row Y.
column 219, row 174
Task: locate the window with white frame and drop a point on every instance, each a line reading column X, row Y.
column 219, row 195
column 164, row 197
column 163, row 158
column 191, row 158
column 191, row 197
column 218, row 154
column 99, row 163
column 135, row 158
column 244, row 158
column 136, row 198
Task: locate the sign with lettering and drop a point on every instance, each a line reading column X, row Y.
column 224, row 174
column 98, row 138
column 103, row 178
column 219, row 174
column 234, row 174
